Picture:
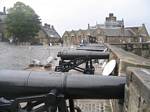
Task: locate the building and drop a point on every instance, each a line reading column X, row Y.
column 2, row 23
column 112, row 31
column 47, row 35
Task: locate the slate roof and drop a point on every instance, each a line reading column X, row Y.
column 114, row 29
column 51, row 32
column 110, row 32
column 117, row 32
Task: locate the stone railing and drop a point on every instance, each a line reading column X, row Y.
column 127, row 59
column 137, row 89
column 141, row 49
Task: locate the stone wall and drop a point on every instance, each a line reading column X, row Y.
column 141, row 49
column 137, row 89
column 127, row 59
column 119, row 39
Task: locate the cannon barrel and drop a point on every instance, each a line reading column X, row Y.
column 92, row 47
column 67, row 55
column 101, row 49
column 26, row 83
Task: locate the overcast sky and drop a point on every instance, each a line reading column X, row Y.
column 76, row 14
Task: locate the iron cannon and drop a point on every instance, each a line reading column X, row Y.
column 93, row 47
column 25, row 83
column 53, row 89
column 72, row 54
column 72, row 59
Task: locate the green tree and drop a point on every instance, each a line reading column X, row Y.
column 22, row 23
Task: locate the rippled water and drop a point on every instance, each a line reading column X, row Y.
column 19, row 57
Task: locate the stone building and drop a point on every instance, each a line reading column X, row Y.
column 47, row 35
column 2, row 23
column 112, row 31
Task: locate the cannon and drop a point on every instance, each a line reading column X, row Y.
column 53, row 89
column 95, row 47
column 101, row 49
column 72, row 60
column 72, row 54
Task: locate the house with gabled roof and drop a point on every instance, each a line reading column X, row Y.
column 47, row 35
column 112, row 31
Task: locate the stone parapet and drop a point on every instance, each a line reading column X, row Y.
column 127, row 59
column 137, row 90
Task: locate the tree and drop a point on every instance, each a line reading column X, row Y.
column 22, row 23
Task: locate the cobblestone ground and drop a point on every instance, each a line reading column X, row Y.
column 93, row 105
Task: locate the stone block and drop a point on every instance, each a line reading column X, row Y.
column 138, row 84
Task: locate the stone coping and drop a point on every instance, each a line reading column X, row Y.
column 140, row 78
column 127, row 59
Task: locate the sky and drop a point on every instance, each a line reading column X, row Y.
column 77, row 14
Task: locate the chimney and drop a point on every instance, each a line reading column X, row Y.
column 48, row 26
column 4, row 10
column 88, row 26
column 111, row 14
column 53, row 27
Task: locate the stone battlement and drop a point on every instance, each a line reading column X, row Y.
column 137, row 89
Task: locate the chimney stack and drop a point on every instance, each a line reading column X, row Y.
column 4, row 10
column 53, row 27
column 88, row 26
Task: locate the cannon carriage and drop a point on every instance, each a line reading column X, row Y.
column 72, row 59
